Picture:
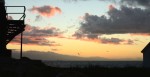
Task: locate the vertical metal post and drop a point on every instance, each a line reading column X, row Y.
column 21, row 45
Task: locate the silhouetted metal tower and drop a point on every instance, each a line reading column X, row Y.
column 10, row 28
column 16, row 27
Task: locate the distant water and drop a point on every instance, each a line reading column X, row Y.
column 94, row 63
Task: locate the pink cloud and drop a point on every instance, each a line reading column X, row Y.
column 46, row 11
column 37, row 36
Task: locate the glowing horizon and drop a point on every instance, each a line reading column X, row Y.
column 80, row 28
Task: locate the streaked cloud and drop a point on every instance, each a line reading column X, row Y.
column 103, row 40
column 116, row 41
column 38, row 31
column 37, row 36
column 35, row 41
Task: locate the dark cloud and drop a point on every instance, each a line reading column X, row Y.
column 145, row 3
column 120, row 21
column 102, row 40
column 37, row 31
column 89, row 36
column 130, row 42
column 111, row 40
column 116, row 41
column 33, row 41
column 36, row 36
column 92, row 36
column 78, row 35
column 38, row 18
column 54, row 49
column 47, row 11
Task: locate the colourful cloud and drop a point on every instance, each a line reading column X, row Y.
column 120, row 21
column 46, row 11
column 103, row 40
column 37, row 36
column 111, row 7
column 38, row 31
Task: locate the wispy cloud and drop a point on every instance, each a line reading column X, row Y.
column 103, row 40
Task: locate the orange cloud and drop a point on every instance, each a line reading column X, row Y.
column 47, row 11
column 111, row 7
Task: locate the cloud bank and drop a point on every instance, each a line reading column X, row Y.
column 37, row 36
column 129, row 18
column 120, row 21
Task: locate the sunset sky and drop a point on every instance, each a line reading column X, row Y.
column 113, row 29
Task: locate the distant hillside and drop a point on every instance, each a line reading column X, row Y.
column 56, row 56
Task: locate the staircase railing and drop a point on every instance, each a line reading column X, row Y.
column 16, row 22
column 23, row 13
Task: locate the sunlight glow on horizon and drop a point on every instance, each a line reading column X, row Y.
column 68, row 22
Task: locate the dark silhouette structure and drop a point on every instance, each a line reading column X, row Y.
column 146, row 56
column 9, row 28
column 3, row 29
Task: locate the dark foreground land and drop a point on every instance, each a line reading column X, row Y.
column 35, row 68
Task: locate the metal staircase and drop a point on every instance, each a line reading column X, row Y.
column 16, row 26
